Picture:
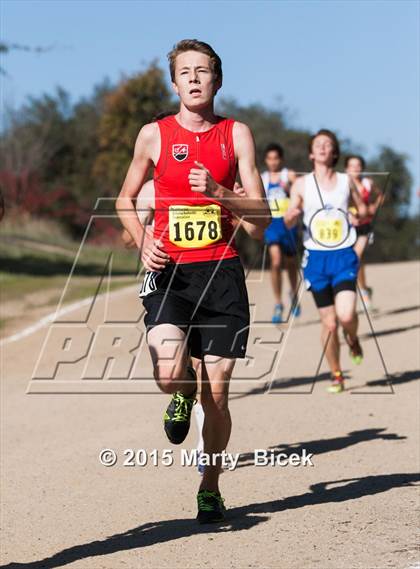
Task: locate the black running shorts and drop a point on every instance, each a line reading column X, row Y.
column 208, row 300
column 364, row 229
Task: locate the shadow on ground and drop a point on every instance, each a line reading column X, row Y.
column 397, row 378
column 375, row 313
column 239, row 519
column 291, row 382
column 322, row 446
column 278, row 385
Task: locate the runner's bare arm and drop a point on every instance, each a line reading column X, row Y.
column 356, row 200
column 252, row 230
column 146, row 153
column 145, row 205
column 254, row 207
column 378, row 199
column 292, row 176
column 296, row 203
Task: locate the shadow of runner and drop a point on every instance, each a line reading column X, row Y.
column 374, row 312
column 401, row 310
column 322, row 446
column 288, row 382
column 389, row 331
column 241, row 518
column 284, row 383
column 398, row 378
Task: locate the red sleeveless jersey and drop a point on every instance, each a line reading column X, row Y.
column 192, row 226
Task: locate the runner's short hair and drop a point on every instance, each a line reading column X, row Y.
column 334, row 140
column 357, row 157
column 195, row 45
column 274, row 147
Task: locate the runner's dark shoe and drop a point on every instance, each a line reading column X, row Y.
column 177, row 417
column 211, row 507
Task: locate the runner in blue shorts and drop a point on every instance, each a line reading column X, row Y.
column 330, row 263
column 281, row 241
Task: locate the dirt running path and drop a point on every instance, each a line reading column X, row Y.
column 355, row 508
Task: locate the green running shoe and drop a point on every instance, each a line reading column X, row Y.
column 211, row 507
column 356, row 352
column 337, row 383
column 178, row 415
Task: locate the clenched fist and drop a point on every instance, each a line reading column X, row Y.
column 201, row 181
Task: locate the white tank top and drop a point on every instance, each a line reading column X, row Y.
column 325, row 218
column 277, row 194
column 283, row 178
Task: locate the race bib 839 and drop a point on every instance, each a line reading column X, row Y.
column 328, row 231
column 329, row 227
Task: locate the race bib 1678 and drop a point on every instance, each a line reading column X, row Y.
column 194, row 226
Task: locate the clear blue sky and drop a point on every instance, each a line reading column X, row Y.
column 352, row 66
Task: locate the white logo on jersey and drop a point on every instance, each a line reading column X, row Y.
column 149, row 284
column 180, row 152
column 223, row 148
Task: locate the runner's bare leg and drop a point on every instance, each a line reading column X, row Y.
column 292, row 272
column 345, row 305
column 169, row 352
column 275, row 270
column 329, row 333
column 216, row 374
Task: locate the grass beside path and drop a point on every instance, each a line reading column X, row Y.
column 35, row 265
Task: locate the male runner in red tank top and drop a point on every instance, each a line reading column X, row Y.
column 194, row 290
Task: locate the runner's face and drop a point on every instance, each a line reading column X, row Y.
column 322, row 150
column 273, row 161
column 354, row 167
column 195, row 83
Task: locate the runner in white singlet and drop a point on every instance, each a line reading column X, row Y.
column 330, row 263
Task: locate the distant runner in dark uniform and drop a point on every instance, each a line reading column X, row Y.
column 281, row 241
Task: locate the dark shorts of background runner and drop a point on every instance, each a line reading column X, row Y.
column 278, row 234
column 364, row 229
column 326, row 296
column 285, row 248
column 208, row 300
